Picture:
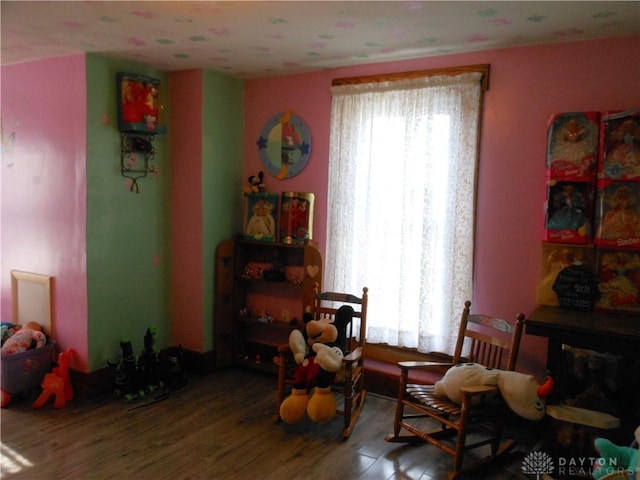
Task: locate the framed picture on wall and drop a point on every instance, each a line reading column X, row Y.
column 138, row 104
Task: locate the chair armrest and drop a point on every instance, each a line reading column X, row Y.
column 424, row 365
column 353, row 356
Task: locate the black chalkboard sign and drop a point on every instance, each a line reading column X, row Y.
column 577, row 288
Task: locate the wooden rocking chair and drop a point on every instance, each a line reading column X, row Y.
column 349, row 382
column 493, row 343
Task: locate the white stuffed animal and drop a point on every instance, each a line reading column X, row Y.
column 521, row 392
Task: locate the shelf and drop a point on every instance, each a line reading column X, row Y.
column 265, row 365
column 271, row 334
column 287, row 283
column 239, row 336
column 275, row 244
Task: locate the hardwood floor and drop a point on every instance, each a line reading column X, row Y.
column 217, row 427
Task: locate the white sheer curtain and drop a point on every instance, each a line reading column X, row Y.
column 401, row 202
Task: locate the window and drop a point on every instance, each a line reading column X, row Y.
column 402, row 172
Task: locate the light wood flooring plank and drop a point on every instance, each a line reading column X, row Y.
column 217, row 427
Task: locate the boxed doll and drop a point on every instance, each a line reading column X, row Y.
column 556, row 276
column 620, row 146
column 617, row 216
column 569, row 217
column 261, row 216
column 572, row 146
column 619, row 280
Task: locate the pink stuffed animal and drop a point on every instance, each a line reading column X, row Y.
column 28, row 337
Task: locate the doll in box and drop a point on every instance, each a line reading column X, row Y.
column 568, row 218
column 573, row 145
column 621, row 219
column 621, row 156
column 620, row 280
column 261, row 224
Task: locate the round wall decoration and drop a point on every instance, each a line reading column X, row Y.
column 285, row 145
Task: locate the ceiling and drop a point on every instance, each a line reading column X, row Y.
column 248, row 39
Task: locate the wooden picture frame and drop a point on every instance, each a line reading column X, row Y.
column 31, row 300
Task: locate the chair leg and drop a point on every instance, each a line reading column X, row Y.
column 348, row 398
column 397, row 419
column 461, row 438
column 281, row 382
column 355, row 413
column 497, row 432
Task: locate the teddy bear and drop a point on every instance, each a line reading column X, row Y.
column 25, row 338
column 318, row 357
column 521, row 392
column 616, row 461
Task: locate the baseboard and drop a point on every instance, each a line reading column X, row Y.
column 199, row 363
column 102, row 381
column 94, row 384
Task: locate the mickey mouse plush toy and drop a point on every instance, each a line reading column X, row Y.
column 255, row 183
column 318, row 358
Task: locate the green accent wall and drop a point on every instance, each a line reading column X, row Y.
column 129, row 234
column 128, row 254
column 222, row 129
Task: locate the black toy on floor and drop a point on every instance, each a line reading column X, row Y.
column 151, row 371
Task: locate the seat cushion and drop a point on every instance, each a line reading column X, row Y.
column 382, row 377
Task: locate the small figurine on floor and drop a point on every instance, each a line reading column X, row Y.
column 128, row 383
column 51, row 385
column 149, row 362
column 57, row 383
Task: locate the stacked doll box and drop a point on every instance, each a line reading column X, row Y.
column 591, row 253
column 617, row 213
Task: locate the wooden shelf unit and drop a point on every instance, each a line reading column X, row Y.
column 243, row 296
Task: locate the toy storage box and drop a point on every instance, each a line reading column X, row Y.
column 25, row 370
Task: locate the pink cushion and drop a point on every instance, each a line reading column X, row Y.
column 391, row 370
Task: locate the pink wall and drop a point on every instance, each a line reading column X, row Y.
column 44, row 168
column 185, row 92
column 527, row 86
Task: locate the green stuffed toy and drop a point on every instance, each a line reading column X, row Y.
column 616, row 462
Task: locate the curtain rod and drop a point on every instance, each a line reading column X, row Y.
column 394, row 77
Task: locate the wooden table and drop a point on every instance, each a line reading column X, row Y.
column 604, row 332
